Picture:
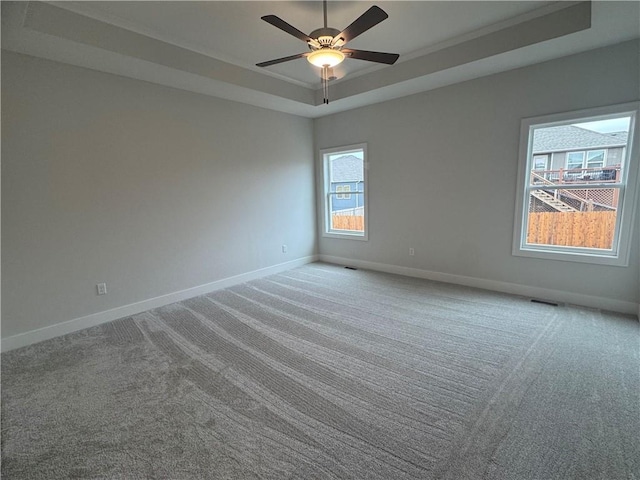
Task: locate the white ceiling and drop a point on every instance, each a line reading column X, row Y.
column 212, row 47
column 233, row 31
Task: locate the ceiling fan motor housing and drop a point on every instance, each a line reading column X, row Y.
column 324, row 36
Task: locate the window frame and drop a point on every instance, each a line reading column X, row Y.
column 604, row 157
column 343, row 192
column 325, row 191
column 582, row 160
column 547, row 161
column 585, row 158
column 628, row 188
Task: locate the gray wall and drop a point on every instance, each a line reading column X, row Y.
column 154, row 190
column 443, row 168
column 558, row 160
column 614, row 156
column 150, row 189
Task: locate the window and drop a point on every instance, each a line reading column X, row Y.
column 541, row 162
column 575, row 160
column 580, row 206
column 343, row 188
column 344, row 191
column 594, row 159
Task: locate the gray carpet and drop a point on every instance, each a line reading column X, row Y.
column 327, row 373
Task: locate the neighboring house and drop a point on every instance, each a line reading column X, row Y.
column 583, row 151
column 568, row 154
column 347, row 176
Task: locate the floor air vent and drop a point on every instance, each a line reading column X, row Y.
column 544, row 302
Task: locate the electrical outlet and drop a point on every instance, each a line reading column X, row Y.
column 102, row 288
column 284, row 249
column 412, row 252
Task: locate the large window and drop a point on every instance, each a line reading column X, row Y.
column 345, row 192
column 577, row 186
column 590, row 159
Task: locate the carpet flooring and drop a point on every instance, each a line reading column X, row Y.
column 327, row 373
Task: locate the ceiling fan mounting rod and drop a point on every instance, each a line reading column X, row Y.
column 324, row 9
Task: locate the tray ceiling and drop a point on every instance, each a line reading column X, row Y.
column 212, row 47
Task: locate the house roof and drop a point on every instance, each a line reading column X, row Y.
column 346, row 169
column 570, row 137
column 623, row 136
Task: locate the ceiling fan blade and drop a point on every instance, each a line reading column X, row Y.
column 364, row 22
column 281, row 60
column 285, row 27
column 378, row 57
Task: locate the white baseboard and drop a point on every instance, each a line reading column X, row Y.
column 561, row 296
column 52, row 331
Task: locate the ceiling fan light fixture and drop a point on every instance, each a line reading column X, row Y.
column 326, row 44
column 325, row 57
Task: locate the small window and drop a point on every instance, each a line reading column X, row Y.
column 595, row 159
column 541, row 162
column 575, row 160
column 583, row 210
column 345, row 194
column 340, row 192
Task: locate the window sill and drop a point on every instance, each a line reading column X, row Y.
column 347, row 236
column 591, row 257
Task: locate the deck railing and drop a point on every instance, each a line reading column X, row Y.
column 588, row 198
column 608, row 174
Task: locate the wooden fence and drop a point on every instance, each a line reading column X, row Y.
column 348, row 222
column 575, row 229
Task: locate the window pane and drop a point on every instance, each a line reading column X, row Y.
column 540, row 162
column 346, row 167
column 575, row 209
column 573, row 218
column 595, row 158
column 345, row 187
column 350, row 218
column 575, row 159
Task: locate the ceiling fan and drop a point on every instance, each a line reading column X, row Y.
column 326, row 44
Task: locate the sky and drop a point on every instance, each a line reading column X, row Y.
column 606, row 126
